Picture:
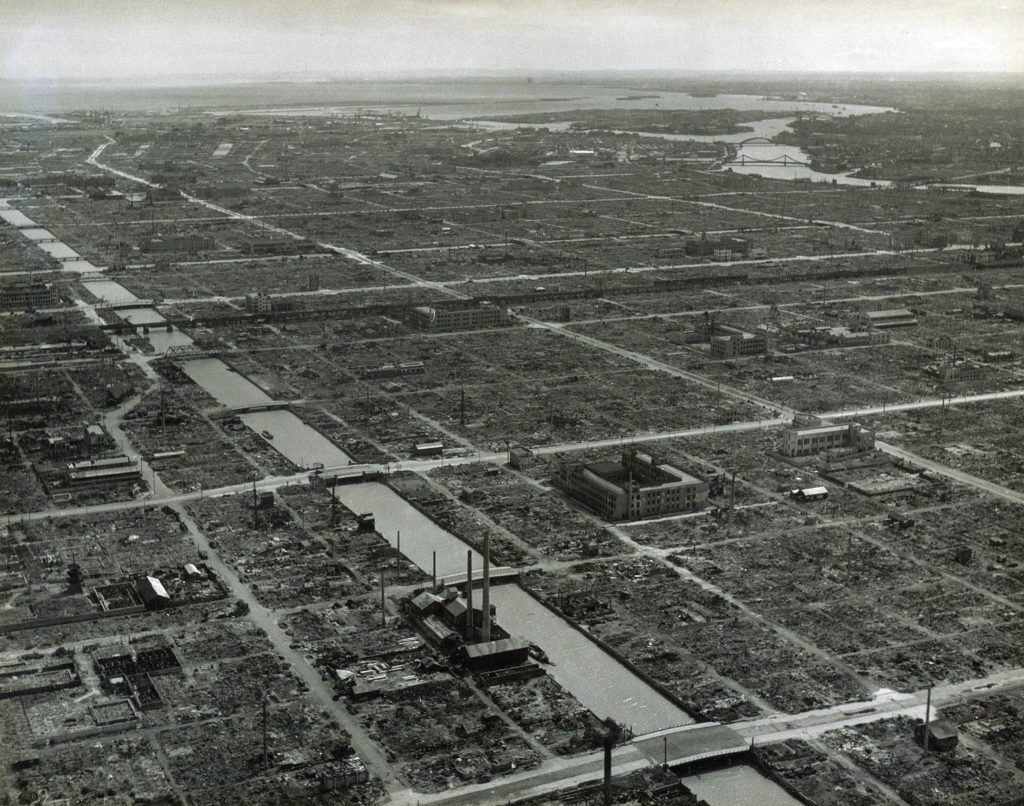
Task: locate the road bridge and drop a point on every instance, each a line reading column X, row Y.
column 782, row 159
column 685, row 745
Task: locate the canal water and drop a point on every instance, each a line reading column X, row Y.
column 161, row 339
column 738, row 786
column 302, row 444
column 421, row 537
column 225, row 385
column 298, row 442
column 599, row 682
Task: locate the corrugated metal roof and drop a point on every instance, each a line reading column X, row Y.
column 158, row 587
column 495, row 647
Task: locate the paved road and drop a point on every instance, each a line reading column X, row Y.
column 94, row 160
column 989, row 487
column 924, row 404
column 426, row 465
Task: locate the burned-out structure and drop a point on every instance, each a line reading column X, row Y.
column 636, row 487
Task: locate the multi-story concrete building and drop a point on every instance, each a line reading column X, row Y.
column 814, row 439
column 738, row 343
column 28, row 296
column 636, row 487
column 259, row 303
column 949, row 371
column 428, row 318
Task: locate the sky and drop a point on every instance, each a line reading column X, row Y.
column 125, row 39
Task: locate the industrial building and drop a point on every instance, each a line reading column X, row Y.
column 843, row 337
column 636, row 487
column 815, row 439
column 153, row 593
column 179, row 244
column 494, row 654
column 395, row 370
column 893, row 317
column 485, row 315
column 109, row 472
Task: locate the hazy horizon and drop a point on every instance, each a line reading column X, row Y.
column 228, row 40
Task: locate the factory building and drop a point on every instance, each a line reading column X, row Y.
column 395, row 370
column 493, row 655
column 110, row 472
column 483, row 214
column 486, row 315
column 153, row 593
column 636, row 487
column 179, row 244
column 812, row 440
column 273, row 246
column 843, row 337
column 894, row 317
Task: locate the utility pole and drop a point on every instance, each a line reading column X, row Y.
column 255, row 507
column 732, row 496
column 927, row 717
column 433, row 572
column 486, row 602
column 611, row 736
column 469, row 596
column 383, row 612
column 398, row 557
column 266, row 757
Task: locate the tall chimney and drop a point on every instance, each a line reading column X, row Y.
column 469, row 596
column 486, row 626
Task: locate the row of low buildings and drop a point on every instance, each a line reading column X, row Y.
column 108, row 472
column 888, row 318
column 842, row 337
column 723, row 249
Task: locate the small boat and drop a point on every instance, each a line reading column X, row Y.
column 266, row 434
